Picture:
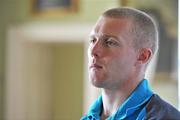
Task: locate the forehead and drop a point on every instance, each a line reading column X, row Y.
column 112, row 26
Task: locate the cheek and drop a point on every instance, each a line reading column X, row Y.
column 121, row 62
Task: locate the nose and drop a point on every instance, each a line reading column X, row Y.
column 95, row 49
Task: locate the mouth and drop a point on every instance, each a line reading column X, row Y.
column 95, row 66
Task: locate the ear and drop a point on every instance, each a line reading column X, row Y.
column 144, row 55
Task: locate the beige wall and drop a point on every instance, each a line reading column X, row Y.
column 45, row 81
column 68, row 81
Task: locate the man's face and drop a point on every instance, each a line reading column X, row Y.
column 112, row 57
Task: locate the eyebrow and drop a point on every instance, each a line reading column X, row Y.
column 106, row 35
column 102, row 35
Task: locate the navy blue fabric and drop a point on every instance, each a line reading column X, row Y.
column 158, row 109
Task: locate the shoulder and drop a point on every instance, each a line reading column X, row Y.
column 157, row 108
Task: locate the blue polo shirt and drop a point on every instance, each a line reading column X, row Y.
column 134, row 108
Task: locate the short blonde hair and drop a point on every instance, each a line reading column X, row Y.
column 144, row 29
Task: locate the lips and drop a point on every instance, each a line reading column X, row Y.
column 96, row 66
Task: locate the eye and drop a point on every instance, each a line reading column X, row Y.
column 110, row 42
column 92, row 40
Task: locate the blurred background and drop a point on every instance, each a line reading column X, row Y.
column 43, row 55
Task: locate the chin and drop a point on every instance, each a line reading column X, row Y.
column 97, row 83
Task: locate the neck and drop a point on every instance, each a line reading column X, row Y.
column 112, row 99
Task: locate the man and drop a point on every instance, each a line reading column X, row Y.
column 122, row 43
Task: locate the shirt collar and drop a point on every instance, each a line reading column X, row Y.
column 96, row 108
column 138, row 97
